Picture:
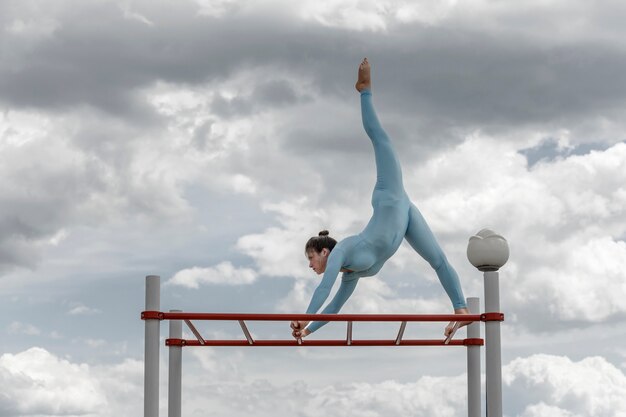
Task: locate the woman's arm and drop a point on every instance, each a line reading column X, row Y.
column 333, row 266
column 343, row 293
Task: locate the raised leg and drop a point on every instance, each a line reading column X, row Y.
column 388, row 170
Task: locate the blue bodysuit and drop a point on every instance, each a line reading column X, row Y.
column 395, row 218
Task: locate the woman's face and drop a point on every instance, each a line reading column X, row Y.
column 317, row 260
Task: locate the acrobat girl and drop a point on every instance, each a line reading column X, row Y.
column 395, row 218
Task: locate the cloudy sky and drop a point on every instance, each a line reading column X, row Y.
column 206, row 140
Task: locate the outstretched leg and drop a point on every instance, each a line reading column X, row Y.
column 388, row 170
column 421, row 238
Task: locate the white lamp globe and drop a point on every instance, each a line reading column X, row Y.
column 487, row 250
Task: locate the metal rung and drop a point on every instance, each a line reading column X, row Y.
column 349, row 336
column 401, row 333
column 195, row 331
column 246, row 332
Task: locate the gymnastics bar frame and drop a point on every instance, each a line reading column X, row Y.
column 492, row 318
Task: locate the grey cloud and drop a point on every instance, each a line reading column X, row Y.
column 104, row 61
column 47, row 197
column 271, row 94
column 202, row 135
column 461, row 75
column 432, row 84
column 60, row 182
column 478, row 81
column 228, row 108
column 278, row 92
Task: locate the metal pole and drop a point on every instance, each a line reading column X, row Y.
column 493, row 356
column 473, row 363
column 174, row 404
column 151, row 353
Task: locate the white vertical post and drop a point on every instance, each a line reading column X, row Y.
column 151, row 353
column 174, row 404
column 473, row 363
column 493, row 356
column 488, row 252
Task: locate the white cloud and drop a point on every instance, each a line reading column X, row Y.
column 44, row 198
column 429, row 396
column 208, row 147
column 17, row 327
column 429, row 12
column 589, row 283
column 83, row 310
column 58, row 238
column 280, row 251
column 94, row 343
column 243, row 184
column 36, row 382
column 34, row 28
column 543, row 410
column 220, row 365
column 297, row 299
column 544, row 384
column 122, row 383
column 555, row 21
column 536, row 386
column 563, row 219
column 377, row 297
column 131, row 15
column 215, row 8
column 224, row 273
column 355, row 15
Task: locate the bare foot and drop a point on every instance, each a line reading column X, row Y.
column 364, row 81
column 453, row 326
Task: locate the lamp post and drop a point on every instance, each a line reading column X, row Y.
column 488, row 252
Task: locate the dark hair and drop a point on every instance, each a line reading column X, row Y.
column 317, row 243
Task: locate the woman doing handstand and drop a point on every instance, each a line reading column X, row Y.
column 395, row 218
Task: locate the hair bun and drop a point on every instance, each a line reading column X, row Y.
column 323, row 233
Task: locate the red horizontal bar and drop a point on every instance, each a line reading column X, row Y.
column 320, row 317
column 435, row 342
